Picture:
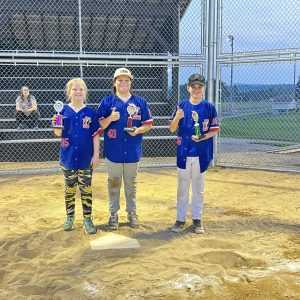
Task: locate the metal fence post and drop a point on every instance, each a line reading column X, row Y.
column 211, row 60
column 80, row 33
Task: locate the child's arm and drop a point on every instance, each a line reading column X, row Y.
column 34, row 106
column 206, row 136
column 178, row 116
column 142, row 129
column 57, row 132
column 96, row 145
column 114, row 116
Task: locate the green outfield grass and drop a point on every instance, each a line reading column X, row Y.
column 283, row 127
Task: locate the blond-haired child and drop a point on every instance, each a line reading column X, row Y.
column 79, row 152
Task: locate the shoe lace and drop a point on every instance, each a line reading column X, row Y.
column 69, row 220
column 179, row 223
column 133, row 217
column 89, row 223
column 197, row 222
column 113, row 218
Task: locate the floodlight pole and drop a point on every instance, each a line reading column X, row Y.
column 295, row 73
column 230, row 39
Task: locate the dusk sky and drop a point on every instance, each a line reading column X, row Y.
column 256, row 26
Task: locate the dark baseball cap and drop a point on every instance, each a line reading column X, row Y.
column 196, row 79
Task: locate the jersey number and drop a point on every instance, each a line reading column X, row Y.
column 112, row 133
column 179, row 140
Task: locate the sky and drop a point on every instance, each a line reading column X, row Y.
column 256, row 26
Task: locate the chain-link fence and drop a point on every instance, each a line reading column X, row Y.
column 115, row 26
column 39, row 148
column 258, row 26
column 260, row 122
column 258, row 90
column 45, row 43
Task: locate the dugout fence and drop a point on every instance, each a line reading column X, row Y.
column 45, row 43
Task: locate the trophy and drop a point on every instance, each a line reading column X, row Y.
column 132, row 110
column 196, row 126
column 58, row 106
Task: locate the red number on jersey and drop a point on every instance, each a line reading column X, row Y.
column 112, row 133
column 179, row 140
column 65, row 143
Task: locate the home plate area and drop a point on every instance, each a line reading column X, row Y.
column 114, row 241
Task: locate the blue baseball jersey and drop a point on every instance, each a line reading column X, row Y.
column 208, row 121
column 76, row 149
column 120, row 146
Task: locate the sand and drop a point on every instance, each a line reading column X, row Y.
column 250, row 248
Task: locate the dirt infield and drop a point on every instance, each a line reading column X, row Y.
column 250, row 249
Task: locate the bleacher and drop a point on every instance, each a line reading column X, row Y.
column 117, row 27
column 41, row 145
column 107, row 26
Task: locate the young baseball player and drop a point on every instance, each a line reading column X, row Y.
column 197, row 122
column 79, row 152
column 124, row 117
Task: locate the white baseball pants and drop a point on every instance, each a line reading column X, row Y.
column 185, row 176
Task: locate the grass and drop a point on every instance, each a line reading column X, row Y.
column 283, row 127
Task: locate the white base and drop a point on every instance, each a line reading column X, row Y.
column 114, row 241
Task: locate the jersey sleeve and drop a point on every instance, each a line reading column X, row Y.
column 146, row 116
column 96, row 128
column 103, row 109
column 214, row 120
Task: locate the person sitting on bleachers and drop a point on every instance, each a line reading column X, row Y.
column 26, row 109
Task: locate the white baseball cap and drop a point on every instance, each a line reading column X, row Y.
column 123, row 72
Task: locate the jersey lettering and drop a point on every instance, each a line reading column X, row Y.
column 86, row 122
column 205, row 124
column 112, row 133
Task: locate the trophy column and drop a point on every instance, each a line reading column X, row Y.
column 132, row 110
column 58, row 106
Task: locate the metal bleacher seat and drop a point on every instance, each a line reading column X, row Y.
column 41, row 145
column 111, row 28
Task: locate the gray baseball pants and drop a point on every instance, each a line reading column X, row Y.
column 117, row 172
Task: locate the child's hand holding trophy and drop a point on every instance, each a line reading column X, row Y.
column 57, row 120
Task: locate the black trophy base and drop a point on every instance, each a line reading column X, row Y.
column 129, row 129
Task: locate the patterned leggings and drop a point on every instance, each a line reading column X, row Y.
column 84, row 180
